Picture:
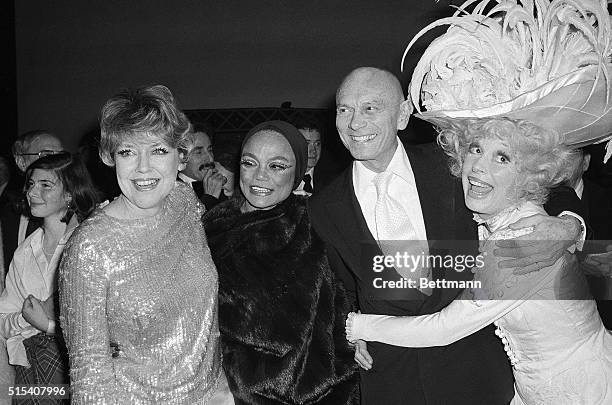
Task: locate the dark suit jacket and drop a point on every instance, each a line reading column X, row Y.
column 597, row 206
column 473, row 370
column 322, row 177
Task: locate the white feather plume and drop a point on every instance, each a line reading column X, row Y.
column 545, row 61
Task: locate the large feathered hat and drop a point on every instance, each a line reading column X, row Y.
column 544, row 61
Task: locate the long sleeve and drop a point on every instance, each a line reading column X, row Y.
column 11, row 301
column 461, row 318
column 83, row 290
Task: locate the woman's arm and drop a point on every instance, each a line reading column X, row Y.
column 11, row 302
column 83, row 290
column 459, row 319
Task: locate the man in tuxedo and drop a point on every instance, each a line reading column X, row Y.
column 311, row 131
column 200, row 172
column 371, row 108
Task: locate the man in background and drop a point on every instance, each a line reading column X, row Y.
column 35, row 144
column 311, row 131
column 323, row 165
column 200, row 172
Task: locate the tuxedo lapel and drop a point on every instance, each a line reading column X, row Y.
column 347, row 219
column 449, row 225
column 585, row 201
column 436, row 191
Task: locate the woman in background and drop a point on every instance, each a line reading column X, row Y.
column 59, row 190
column 138, row 288
column 281, row 310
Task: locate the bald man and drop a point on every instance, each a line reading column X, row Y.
column 371, row 108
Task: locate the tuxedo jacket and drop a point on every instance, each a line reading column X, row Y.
column 473, row 370
column 597, row 206
column 321, row 178
column 597, row 209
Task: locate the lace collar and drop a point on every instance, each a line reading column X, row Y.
column 506, row 216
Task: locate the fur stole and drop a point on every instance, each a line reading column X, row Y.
column 281, row 310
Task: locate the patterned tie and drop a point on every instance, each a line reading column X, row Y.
column 395, row 233
column 307, row 183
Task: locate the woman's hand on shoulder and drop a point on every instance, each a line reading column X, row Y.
column 550, row 239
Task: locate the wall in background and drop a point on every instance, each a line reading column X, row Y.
column 8, row 74
column 71, row 56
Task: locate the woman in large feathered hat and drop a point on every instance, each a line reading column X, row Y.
column 515, row 88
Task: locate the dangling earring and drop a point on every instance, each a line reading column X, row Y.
column 69, row 202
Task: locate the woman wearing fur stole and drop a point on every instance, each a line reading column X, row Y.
column 281, row 310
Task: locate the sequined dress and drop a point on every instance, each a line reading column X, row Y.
column 555, row 340
column 139, row 308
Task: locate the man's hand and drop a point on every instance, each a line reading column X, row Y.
column 362, row 357
column 213, row 182
column 550, row 238
column 34, row 313
column 598, row 264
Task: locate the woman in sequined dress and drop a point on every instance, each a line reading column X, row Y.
column 58, row 189
column 555, row 340
column 138, row 288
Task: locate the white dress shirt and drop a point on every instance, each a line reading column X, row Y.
column 186, row 179
column 579, row 188
column 29, row 273
column 402, row 188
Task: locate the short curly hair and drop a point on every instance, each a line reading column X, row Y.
column 143, row 112
column 543, row 161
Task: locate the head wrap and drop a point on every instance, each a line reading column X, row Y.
column 547, row 62
column 296, row 141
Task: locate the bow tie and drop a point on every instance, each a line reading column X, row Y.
column 307, row 183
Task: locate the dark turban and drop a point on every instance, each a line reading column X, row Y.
column 296, row 141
